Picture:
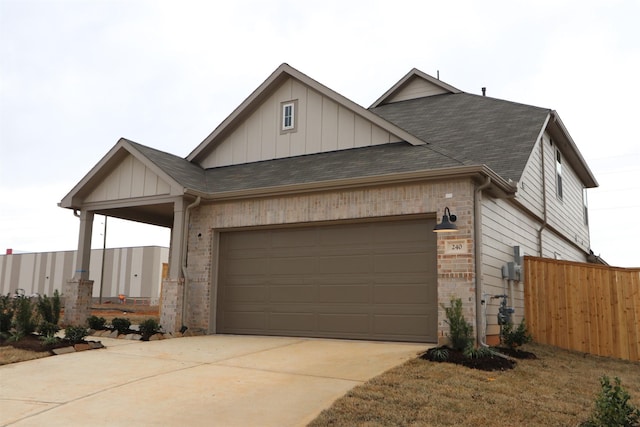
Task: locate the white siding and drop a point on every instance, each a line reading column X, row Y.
column 321, row 125
column 530, row 185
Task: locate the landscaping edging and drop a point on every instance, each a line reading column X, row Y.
column 107, row 333
column 88, row 345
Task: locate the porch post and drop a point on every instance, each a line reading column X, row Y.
column 78, row 291
column 173, row 286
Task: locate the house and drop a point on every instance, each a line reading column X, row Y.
column 305, row 214
column 134, row 272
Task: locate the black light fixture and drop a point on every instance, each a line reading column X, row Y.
column 446, row 226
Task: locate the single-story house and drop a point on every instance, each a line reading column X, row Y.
column 305, row 214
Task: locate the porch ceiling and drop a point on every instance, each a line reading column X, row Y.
column 156, row 214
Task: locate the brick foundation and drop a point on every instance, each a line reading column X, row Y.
column 171, row 305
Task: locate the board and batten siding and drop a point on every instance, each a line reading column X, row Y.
column 135, row 272
column 416, row 88
column 131, row 178
column 322, row 125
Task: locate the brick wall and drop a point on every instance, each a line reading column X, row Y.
column 77, row 302
column 456, row 273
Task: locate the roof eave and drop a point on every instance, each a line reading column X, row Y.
column 499, row 186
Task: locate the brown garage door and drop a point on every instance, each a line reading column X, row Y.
column 373, row 280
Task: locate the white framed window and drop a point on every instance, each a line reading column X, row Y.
column 288, row 116
column 558, row 174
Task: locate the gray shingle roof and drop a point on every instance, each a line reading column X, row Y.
column 460, row 129
column 473, row 129
column 353, row 163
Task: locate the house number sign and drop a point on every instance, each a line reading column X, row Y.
column 455, row 247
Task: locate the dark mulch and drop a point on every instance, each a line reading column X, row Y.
column 490, row 362
column 32, row 342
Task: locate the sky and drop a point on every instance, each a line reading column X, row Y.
column 75, row 76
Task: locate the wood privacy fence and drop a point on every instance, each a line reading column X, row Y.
column 584, row 307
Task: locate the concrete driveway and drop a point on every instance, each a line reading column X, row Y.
column 219, row 380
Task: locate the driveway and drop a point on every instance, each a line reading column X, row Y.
column 216, row 380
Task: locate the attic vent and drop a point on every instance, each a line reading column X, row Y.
column 484, row 91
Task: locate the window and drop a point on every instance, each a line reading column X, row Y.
column 558, row 174
column 288, row 116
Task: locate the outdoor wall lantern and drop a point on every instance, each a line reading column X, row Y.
column 447, row 225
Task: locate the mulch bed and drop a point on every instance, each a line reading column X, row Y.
column 32, row 342
column 491, row 362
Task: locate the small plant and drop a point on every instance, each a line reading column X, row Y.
column 23, row 317
column 149, row 327
column 49, row 339
column 460, row 331
column 76, row 334
column 6, row 313
column 47, row 329
column 438, row 354
column 96, row 322
column 613, row 407
column 477, row 353
column 121, row 324
column 515, row 337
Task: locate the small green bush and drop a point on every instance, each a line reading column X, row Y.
column 149, row 327
column 438, row 354
column 460, row 331
column 121, row 324
column 76, row 334
column 6, row 313
column 96, row 322
column 47, row 329
column 515, row 337
column 49, row 339
column 23, row 316
column 613, row 407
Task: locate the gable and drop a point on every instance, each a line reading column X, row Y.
column 129, row 179
column 416, row 88
column 415, row 84
column 321, row 125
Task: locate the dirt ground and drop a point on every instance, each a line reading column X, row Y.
column 135, row 313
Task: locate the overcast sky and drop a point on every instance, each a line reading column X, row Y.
column 75, row 76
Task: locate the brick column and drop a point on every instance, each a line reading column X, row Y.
column 77, row 302
column 171, row 305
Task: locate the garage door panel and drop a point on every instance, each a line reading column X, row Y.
column 292, row 294
column 341, row 323
column 370, row 280
column 344, row 293
column 394, row 294
column 408, row 325
column 292, row 322
column 345, row 264
column 401, row 263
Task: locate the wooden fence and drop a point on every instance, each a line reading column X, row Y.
column 584, row 307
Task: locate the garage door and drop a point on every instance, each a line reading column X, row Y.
column 373, row 280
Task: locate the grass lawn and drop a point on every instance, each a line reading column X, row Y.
column 557, row 389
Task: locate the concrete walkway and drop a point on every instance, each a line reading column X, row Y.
column 221, row 380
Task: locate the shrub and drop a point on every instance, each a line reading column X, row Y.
column 23, row 321
column 49, row 339
column 515, row 338
column 6, row 313
column 613, row 407
column 121, row 324
column 438, row 354
column 47, row 329
column 96, row 322
column 76, row 334
column 149, row 327
column 477, row 353
column 460, row 331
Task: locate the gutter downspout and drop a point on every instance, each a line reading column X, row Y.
column 544, row 198
column 477, row 229
column 185, row 240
